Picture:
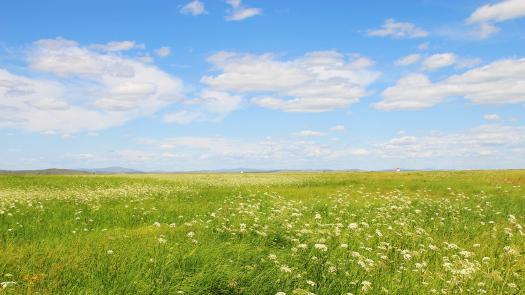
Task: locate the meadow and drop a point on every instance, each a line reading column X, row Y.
column 264, row 233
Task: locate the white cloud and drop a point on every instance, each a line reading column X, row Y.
column 468, row 62
column 414, row 91
column 486, row 146
column 408, row 60
column 268, row 153
column 501, row 11
column 468, row 148
column 51, row 104
column 338, row 128
column 498, row 12
column 194, row 8
column 209, row 106
column 83, row 90
column 485, row 30
column 163, row 51
column 308, row 133
column 115, row 46
column 181, row 117
column 239, row 12
column 219, row 102
column 403, row 140
column 499, row 82
column 491, row 117
column 398, row 30
column 315, row 82
column 497, row 140
column 439, row 60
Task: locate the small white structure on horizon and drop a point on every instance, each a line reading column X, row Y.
column 398, row 169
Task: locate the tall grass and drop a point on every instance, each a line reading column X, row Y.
column 295, row 233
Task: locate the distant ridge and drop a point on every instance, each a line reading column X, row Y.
column 57, row 171
column 51, row 171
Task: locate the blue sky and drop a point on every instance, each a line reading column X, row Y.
column 190, row 85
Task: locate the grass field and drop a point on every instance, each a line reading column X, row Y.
column 295, row 233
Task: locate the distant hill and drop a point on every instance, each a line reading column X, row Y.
column 51, row 171
column 56, row 171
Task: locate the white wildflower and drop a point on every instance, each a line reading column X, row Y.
column 366, row 286
column 311, row 283
column 7, row 284
column 321, row 247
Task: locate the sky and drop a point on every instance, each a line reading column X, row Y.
column 184, row 85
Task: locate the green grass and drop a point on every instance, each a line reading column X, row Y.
column 323, row 233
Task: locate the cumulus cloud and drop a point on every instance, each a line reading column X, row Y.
column 316, row 82
column 486, row 15
column 83, row 89
column 193, row 8
column 439, row 60
column 398, row 30
column 499, row 82
column 408, row 60
column 239, row 12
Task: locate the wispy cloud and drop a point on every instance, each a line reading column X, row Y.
column 194, row 8
column 487, row 15
column 398, row 30
column 239, row 12
column 408, row 60
column 163, row 51
column 118, row 46
column 308, row 133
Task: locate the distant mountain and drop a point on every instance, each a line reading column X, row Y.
column 112, row 170
column 51, row 171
